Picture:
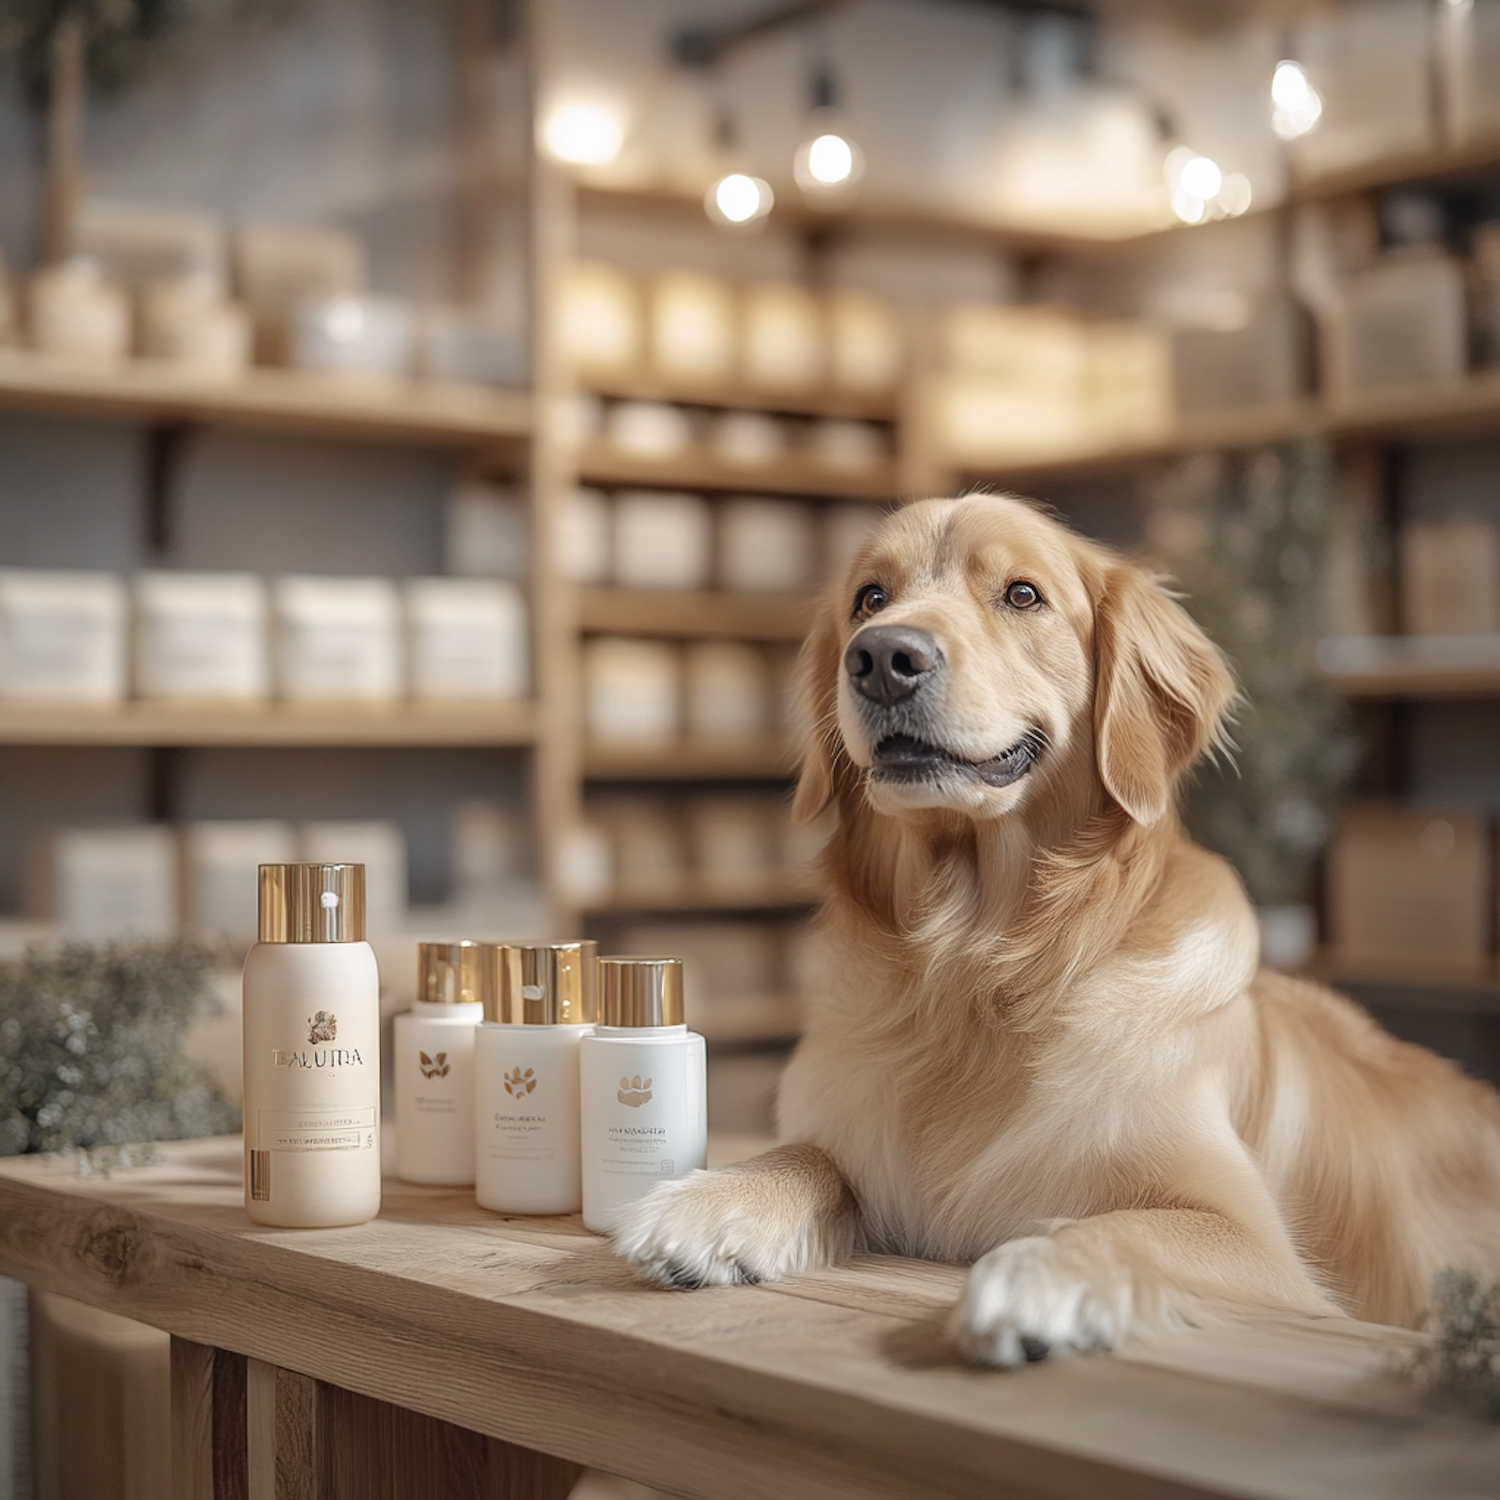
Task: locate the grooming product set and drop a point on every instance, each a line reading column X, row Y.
column 551, row 1079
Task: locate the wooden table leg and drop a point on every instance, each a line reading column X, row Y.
column 311, row 1441
column 208, row 1423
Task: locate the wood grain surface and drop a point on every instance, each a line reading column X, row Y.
column 836, row 1384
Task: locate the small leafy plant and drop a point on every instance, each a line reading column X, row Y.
column 91, row 1048
column 1459, row 1369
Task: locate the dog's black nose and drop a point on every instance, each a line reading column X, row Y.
column 887, row 663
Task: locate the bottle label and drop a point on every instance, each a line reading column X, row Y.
column 642, row 1129
column 316, row 1129
column 521, row 1133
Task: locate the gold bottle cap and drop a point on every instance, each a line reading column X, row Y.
column 641, row 991
column 540, row 984
column 308, row 903
column 449, row 973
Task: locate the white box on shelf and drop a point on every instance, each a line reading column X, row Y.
column 201, row 635
column 583, row 863
column 727, row 691
column 783, row 339
column 1450, row 577
column 1039, row 349
column 378, row 845
column 102, row 883
column 735, row 840
column 985, row 419
column 139, row 246
column 76, row 315
column 845, row 531
column 630, row 690
column 581, row 536
column 62, row 636
column 354, row 337
column 747, row 439
column 470, row 346
column 195, row 330
column 866, row 343
column 598, row 318
column 693, row 333
column 466, row 638
column 337, row 638
column 649, row 429
column 487, row 532
column 767, row 546
column 663, row 540
column 847, row 447
column 221, row 862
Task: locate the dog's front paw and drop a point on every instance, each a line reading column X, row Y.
column 1037, row 1296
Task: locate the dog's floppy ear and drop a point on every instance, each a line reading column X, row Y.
column 1161, row 692
column 818, row 669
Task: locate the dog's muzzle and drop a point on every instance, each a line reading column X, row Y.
column 889, row 663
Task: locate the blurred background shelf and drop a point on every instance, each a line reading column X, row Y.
column 706, row 760
column 268, row 399
column 816, row 403
column 786, row 893
column 793, row 475
column 684, row 614
column 753, row 1020
column 1406, row 667
column 1402, row 984
column 342, row 725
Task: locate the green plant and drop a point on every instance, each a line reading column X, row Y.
column 1459, row 1368
column 1247, row 539
column 91, row 1048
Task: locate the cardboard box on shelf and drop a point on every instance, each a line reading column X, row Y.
column 220, row 869
column 1450, row 577
column 1411, row 887
column 62, row 636
column 138, row 246
column 631, row 691
column 693, row 327
column 202, row 636
column 747, row 439
column 662, row 540
column 467, row 639
column 598, row 319
column 337, row 639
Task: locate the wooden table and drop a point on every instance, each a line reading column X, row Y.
column 444, row 1351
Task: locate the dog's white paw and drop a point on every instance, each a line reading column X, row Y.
column 1039, row 1296
column 704, row 1229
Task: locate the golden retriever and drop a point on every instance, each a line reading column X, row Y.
column 1045, row 1046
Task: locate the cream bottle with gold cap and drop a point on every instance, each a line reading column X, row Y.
column 539, row 1004
column 434, row 1044
column 312, row 1052
column 643, row 1078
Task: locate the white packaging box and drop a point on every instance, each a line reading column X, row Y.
column 663, row 540
column 583, row 863
column 649, row 429
column 76, row 315
column 598, row 318
column 630, row 690
column 62, row 636
column 221, row 873
column 355, row 337
column 845, row 531
column 747, row 439
column 767, row 546
column 582, row 536
column 1399, row 325
column 486, row 532
column 114, row 882
column 337, row 638
column 466, row 639
column 783, row 338
column 693, row 327
column 847, row 447
column 735, row 840
column 201, row 635
column 866, row 343
column 727, row 691
column 378, row 845
column 1450, row 577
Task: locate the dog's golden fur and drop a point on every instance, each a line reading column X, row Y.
column 1045, row 1046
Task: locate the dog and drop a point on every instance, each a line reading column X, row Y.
column 1046, row 1048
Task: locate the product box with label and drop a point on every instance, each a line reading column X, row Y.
column 767, row 546
column 62, row 636
column 466, row 639
column 201, row 635
column 631, row 690
column 662, row 540
column 337, row 639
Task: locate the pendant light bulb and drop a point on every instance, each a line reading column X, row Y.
column 739, row 200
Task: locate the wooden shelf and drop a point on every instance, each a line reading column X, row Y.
column 687, row 614
column 1406, row 667
column 271, row 400
column 781, row 893
column 354, row 724
column 703, row 760
column 1431, row 165
column 701, row 469
column 1400, row 984
column 854, row 405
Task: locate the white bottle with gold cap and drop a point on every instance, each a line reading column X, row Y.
column 434, row 1043
column 312, row 1052
column 643, row 1077
column 539, row 1004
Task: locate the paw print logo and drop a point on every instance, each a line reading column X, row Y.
column 519, row 1084
column 323, row 1027
column 634, row 1092
column 435, row 1067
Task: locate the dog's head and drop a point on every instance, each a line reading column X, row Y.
column 975, row 645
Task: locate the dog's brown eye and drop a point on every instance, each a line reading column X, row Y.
column 1022, row 595
column 870, row 600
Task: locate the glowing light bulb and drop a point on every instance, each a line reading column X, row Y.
column 1296, row 106
column 585, row 135
column 1201, row 177
column 739, row 198
column 827, row 163
column 1188, row 207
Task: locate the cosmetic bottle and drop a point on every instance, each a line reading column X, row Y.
column 312, row 1052
column 539, row 1003
column 644, row 1085
column 435, row 1067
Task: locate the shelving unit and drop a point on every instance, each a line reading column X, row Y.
column 692, row 615
column 687, row 760
column 1413, row 667
column 793, row 474
column 784, row 893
